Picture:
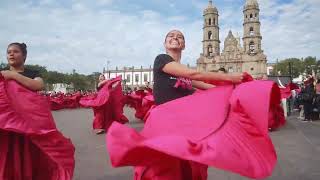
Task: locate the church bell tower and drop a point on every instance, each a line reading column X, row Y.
column 211, row 42
column 251, row 28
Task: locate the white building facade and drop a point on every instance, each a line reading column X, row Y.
column 270, row 68
column 62, row 87
column 132, row 77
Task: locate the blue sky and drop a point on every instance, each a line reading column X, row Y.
column 84, row 34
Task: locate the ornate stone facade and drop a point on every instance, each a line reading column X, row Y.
column 234, row 57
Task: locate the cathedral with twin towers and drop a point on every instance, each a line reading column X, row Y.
column 234, row 58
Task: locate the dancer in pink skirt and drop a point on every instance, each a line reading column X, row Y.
column 31, row 147
column 224, row 127
column 107, row 105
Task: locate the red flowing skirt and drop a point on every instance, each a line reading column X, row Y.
column 107, row 105
column 224, row 127
column 31, row 147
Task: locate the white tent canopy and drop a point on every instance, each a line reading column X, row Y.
column 298, row 80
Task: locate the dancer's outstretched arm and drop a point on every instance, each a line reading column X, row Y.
column 201, row 85
column 181, row 70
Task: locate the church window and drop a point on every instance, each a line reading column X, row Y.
column 246, row 16
column 255, row 15
column 251, row 31
column 251, row 17
column 210, row 51
column 214, row 21
column 251, row 47
column 252, row 69
column 210, row 35
column 230, row 70
column 209, row 21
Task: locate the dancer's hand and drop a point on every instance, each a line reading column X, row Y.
column 235, row 77
column 8, row 74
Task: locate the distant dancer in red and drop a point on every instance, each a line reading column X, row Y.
column 107, row 105
column 97, row 124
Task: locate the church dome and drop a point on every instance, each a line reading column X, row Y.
column 251, row 3
column 210, row 9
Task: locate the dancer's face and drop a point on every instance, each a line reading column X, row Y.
column 15, row 56
column 101, row 77
column 174, row 41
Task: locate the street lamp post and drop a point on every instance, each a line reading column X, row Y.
column 108, row 62
column 277, row 64
column 290, row 100
column 290, row 70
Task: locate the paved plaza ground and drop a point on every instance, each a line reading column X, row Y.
column 297, row 145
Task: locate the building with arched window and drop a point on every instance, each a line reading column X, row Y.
column 248, row 57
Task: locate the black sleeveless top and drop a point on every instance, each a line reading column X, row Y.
column 27, row 73
column 30, row 74
column 167, row 87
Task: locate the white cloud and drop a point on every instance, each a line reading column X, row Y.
column 293, row 31
column 84, row 38
column 104, row 2
column 172, row 5
column 288, row 29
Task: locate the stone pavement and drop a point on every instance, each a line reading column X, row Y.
column 297, row 145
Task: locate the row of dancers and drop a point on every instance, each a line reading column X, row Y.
column 199, row 119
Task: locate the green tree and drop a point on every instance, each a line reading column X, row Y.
column 297, row 67
column 2, row 65
column 310, row 64
column 41, row 69
column 93, row 78
column 79, row 81
column 54, row 77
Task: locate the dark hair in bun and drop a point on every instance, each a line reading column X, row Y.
column 22, row 47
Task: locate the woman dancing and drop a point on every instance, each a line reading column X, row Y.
column 16, row 55
column 223, row 127
column 107, row 105
column 31, row 147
